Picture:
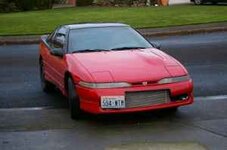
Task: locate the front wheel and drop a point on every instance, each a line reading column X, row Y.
column 74, row 101
column 198, row 2
column 46, row 85
column 172, row 110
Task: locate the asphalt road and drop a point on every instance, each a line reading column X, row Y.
column 205, row 57
column 24, row 124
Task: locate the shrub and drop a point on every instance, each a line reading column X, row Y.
column 104, row 2
column 84, row 2
column 7, row 5
column 44, row 4
column 25, row 5
column 123, row 2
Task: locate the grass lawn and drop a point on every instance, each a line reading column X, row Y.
column 40, row 22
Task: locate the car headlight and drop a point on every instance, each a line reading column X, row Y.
column 174, row 79
column 104, row 85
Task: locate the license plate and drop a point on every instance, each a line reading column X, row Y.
column 113, row 102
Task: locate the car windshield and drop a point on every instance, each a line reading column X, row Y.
column 105, row 38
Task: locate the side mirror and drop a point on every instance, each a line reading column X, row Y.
column 58, row 43
column 157, row 45
column 57, row 52
column 59, row 40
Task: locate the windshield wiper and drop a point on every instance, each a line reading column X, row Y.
column 90, row 50
column 127, row 48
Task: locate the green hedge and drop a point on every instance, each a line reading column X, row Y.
column 122, row 2
column 84, row 2
column 33, row 4
column 24, row 5
column 7, row 5
column 44, row 4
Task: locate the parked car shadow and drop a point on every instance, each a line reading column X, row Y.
column 119, row 119
column 130, row 118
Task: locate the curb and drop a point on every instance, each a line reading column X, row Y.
column 147, row 32
column 185, row 32
column 9, row 40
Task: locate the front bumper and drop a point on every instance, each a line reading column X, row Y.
column 90, row 98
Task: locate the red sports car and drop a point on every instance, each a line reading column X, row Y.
column 110, row 68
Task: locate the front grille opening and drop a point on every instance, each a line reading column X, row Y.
column 146, row 98
column 180, row 97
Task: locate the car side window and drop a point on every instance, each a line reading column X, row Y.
column 50, row 37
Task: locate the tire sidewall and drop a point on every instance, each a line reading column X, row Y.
column 73, row 100
column 46, row 86
column 42, row 76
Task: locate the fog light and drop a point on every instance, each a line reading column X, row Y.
column 180, row 97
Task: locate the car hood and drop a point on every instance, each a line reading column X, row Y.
column 129, row 65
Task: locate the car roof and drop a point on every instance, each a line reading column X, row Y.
column 95, row 25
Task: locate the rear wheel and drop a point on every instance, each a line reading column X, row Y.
column 198, row 2
column 45, row 85
column 74, row 101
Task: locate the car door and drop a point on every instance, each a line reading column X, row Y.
column 56, row 64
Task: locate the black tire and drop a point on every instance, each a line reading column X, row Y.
column 172, row 110
column 45, row 85
column 74, row 101
column 198, row 2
